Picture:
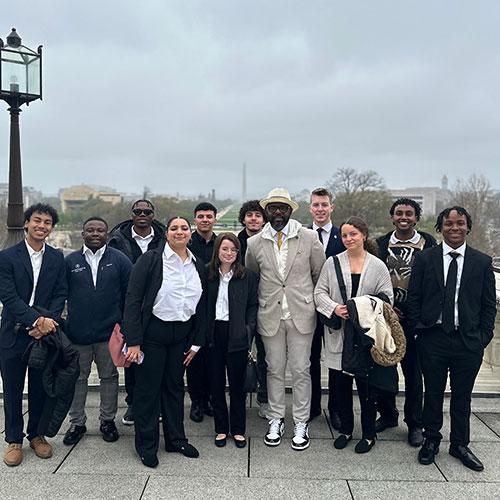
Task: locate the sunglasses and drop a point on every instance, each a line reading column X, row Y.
column 140, row 211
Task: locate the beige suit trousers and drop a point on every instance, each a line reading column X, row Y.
column 288, row 345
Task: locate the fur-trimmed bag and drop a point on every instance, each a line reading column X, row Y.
column 383, row 358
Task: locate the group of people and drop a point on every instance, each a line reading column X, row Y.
column 195, row 302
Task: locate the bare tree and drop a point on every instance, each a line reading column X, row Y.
column 476, row 196
column 363, row 194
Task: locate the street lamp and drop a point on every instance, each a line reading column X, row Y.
column 20, row 83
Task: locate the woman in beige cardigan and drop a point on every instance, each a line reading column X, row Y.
column 364, row 274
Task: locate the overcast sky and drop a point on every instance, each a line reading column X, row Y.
column 179, row 94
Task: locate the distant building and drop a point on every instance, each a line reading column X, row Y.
column 75, row 197
column 431, row 199
column 30, row 195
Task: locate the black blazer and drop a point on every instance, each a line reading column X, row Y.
column 335, row 245
column 143, row 286
column 476, row 297
column 16, row 286
column 243, row 305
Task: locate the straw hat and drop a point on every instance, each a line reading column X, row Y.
column 279, row 195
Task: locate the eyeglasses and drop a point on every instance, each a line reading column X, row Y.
column 229, row 250
column 282, row 208
column 140, row 211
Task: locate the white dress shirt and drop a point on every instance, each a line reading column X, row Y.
column 36, row 263
column 143, row 241
column 222, row 304
column 281, row 255
column 460, row 265
column 180, row 290
column 93, row 260
column 326, row 231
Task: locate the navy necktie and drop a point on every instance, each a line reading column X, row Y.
column 449, row 295
column 320, row 234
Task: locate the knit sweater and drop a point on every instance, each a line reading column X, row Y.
column 374, row 279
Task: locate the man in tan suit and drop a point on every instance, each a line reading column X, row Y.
column 288, row 258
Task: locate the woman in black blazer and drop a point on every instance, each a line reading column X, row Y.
column 164, row 313
column 231, row 318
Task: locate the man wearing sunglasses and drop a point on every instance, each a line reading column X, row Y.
column 288, row 258
column 134, row 237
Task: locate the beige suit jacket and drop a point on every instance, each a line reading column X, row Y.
column 305, row 258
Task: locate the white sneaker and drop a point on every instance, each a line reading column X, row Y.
column 275, row 432
column 263, row 410
column 300, row 440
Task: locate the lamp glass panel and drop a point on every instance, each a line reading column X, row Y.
column 13, row 77
column 33, row 70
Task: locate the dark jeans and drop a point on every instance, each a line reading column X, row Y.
column 439, row 353
column 367, row 398
column 235, row 363
column 159, row 382
column 198, row 378
column 261, row 370
column 414, row 390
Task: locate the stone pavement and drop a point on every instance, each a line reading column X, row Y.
column 95, row 469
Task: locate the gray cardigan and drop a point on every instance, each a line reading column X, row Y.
column 374, row 279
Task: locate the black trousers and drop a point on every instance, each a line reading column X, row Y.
column 129, row 383
column 367, row 399
column 159, row 382
column 235, row 363
column 414, row 389
column 13, row 367
column 261, row 369
column 315, row 368
column 198, row 378
column 442, row 353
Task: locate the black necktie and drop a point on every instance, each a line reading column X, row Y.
column 449, row 295
column 320, row 234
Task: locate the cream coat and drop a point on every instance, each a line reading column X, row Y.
column 305, row 258
column 374, row 279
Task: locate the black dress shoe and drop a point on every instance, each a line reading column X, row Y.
column 335, row 420
column 196, row 412
column 208, row 409
column 220, row 443
column 381, row 424
column 428, row 451
column 150, row 461
column 415, row 437
column 109, row 431
column 465, row 455
column 188, row 450
column 364, row 446
column 240, row 443
column 341, row 442
column 74, row 434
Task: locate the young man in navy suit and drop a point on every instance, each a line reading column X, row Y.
column 31, row 274
column 451, row 309
column 321, row 209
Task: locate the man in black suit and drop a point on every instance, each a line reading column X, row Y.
column 32, row 274
column 451, row 309
column 321, row 208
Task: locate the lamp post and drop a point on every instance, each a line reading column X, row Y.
column 20, row 83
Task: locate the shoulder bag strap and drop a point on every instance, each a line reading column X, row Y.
column 340, row 279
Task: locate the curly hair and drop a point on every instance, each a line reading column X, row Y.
column 407, row 201
column 251, row 206
column 41, row 208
